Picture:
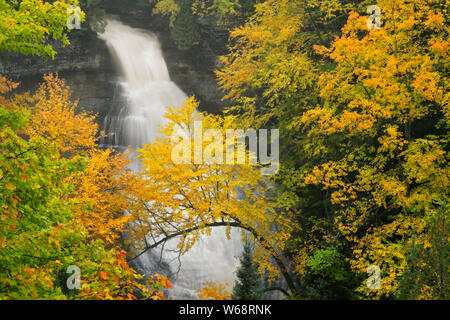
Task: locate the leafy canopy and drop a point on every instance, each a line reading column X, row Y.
column 28, row 26
column 49, row 214
column 365, row 124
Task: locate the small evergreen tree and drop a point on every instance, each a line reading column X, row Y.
column 247, row 286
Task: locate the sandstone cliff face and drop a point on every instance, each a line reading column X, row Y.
column 88, row 68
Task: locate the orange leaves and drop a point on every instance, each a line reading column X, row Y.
column 426, row 84
column 440, row 46
column 62, row 193
column 131, row 297
column 121, row 255
column 160, row 281
column 123, row 264
column 165, row 282
column 435, row 21
column 385, row 82
column 103, row 185
column 213, row 291
column 7, row 85
column 370, row 131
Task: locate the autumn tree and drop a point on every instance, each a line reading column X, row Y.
column 271, row 75
column 40, row 231
column 26, row 26
column 102, row 185
column 377, row 108
column 365, row 127
column 186, row 200
column 52, row 177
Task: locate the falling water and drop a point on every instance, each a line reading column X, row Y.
column 145, row 85
column 146, row 92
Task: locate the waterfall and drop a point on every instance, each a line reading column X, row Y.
column 145, row 92
column 145, row 85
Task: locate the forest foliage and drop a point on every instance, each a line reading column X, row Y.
column 26, row 26
column 364, row 123
column 363, row 115
column 185, row 16
column 60, row 197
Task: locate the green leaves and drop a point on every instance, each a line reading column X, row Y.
column 185, row 31
column 328, row 263
column 27, row 27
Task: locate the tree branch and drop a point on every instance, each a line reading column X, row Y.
column 189, row 230
column 237, row 223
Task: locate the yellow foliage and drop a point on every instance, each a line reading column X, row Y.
column 186, row 200
column 356, row 139
column 382, row 84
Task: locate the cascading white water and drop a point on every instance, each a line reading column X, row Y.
column 147, row 91
column 145, row 83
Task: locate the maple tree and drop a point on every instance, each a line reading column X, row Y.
column 382, row 86
column 102, row 185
